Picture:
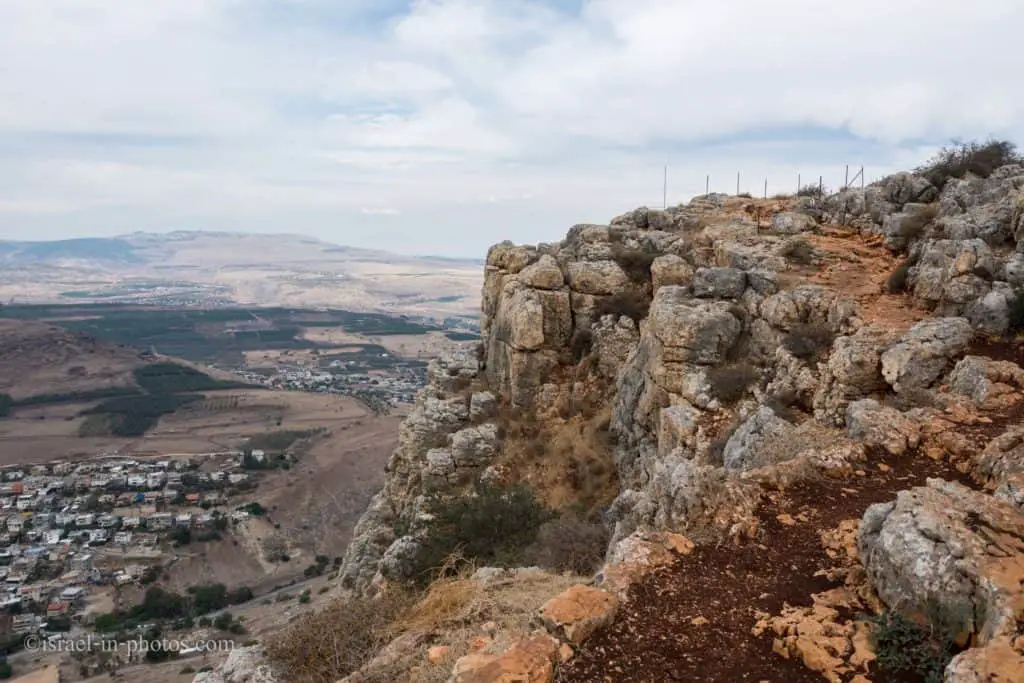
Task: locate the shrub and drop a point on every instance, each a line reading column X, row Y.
column 905, row 648
column 635, row 262
column 332, row 643
column 494, row 526
column 730, row 382
column 1016, row 310
column 897, row 282
column 581, row 343
column 304, row 597
column 960, row 158
column 631, row 304
column 811, row 190
column 5, row 405
column 798, row 251
column 571, row 544
column 782, row 404
column 913, row 225
column 808, row 340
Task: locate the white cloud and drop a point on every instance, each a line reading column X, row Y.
column 306, row 115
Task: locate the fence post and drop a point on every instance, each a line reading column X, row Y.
column 862, row 177
column 821, row 185
column 737, row 183
column 766, row 188
column 798, row 184
column 707, row 185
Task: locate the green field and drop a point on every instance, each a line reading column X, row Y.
column 219, row 335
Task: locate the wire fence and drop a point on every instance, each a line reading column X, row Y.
column 762, row 187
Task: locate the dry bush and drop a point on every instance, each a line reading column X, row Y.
column 812, row 190
column 629, row 303
column 635, row 262
column 783, row 404
column 570, row 544
column 581, row 343
column 323, row 646
column 716, row 450
column 908, row 399
column 781, row 195
column 962, row 158
column 798, row 251
column 913, row 226
column 808, row 340
column 729, row 383
column 897, row 282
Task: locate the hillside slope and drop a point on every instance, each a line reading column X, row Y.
column 787, row 413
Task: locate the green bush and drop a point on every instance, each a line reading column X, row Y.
column 976, row 158
column 171, row 378
column 906, row 649
column 493, row 527
column 729, row 383
column 5, row 405
column 808, row 340
column 304, row 597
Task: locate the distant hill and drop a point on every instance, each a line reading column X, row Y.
column 194, row 267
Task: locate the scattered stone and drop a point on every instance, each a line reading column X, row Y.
column 578, row 612
column 924, row 353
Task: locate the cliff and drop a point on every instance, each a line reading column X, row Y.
column 749, row 370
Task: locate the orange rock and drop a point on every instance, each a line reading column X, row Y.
column 530, row 660
column 786, row 519
column 578, row 612
column 477, row 643
column 698, row 621
column 437, row 653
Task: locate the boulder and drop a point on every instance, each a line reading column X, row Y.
column 482, row 405
column 574, row 615
column 1001, row 465
column 853, row 371
column 943, row 547
column 879, row 426
column 719, row 283
column 671, row 269
column 791, row 223
column 596, row 277
column 531, row 659
column 243, row 665
column 923, row 353
column 474, row 446
column 544, row 273
column 639, row 554
column 984, row 380
column 690, row 331
column 678, row 428
column 744, row 449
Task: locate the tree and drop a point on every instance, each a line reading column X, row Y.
column 275, row 548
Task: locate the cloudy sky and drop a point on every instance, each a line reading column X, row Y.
column 441, row 126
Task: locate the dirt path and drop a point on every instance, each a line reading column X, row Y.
column 858, row 267
column 655, row 637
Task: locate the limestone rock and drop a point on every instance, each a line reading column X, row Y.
column 577, row 613
column 1001, row 465
column 637, row 555
column 924, row 352
column 613, row 342
column 743, row 450
column 944, row 545
column 596, row 277
column 678, row 428
column 791, row 223
column 544, row 273
column 474, row 446
column 671, row 269
column 719, row 283
column 985, row 381
column 807, row 304
column 530, row 660
column 689, row 331
column 879, row 426
column 243, row 665
column 452, row 370
column 482, row 405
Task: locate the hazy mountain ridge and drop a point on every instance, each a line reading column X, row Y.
column 198, row 267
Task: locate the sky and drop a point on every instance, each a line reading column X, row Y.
column 443, row 126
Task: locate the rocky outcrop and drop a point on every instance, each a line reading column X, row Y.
column 878, row 426
column 243, row 665
column 1000, row 467
column 985, row 381
column 943, row 551
column 925, row 352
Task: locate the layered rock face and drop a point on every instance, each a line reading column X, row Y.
column 728, row 366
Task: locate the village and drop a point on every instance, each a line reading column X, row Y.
column 71, row 529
